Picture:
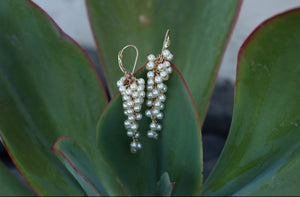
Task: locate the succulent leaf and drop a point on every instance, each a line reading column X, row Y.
column 164, row 186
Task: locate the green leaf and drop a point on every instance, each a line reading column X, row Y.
column 78, row 162
column 48, row 88
column 262, row 153
column 178, row 151
column 199, row 32
column 164, row 186
column 11, row 186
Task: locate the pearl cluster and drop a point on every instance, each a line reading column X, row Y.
column 132, row 91
column 159, row 70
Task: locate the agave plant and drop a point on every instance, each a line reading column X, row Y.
column 51, row 99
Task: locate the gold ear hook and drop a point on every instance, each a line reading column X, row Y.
column 166, row 43
column 120, row 56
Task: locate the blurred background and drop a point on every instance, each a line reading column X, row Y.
column 71, row 16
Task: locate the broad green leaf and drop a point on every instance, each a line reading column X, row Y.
column 164, row 186
column 48, row 88
column 262, row 153
column 178, row 151
column 78, row 162
column 199, row 32
column 10, row 185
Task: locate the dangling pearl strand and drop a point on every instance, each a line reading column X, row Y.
column 132, row 91
column 159, row 71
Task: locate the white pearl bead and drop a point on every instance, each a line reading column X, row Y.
column 126, row 112
column 155, row 92
column 164, row 89
column 150, row 134
column 162, row 98
column 137, row 108
column 137, row 135
column 134, row 126
column 166, row 53
column 125, row 105
column 128, row 91
column 162, row 106
column 141, row 81
column 142, row 94
column 135, row 94
column 141, row 87
column 133, row 86
column 139, row 146
column 130, row 103
column 158, row 79
column 155, row 111
column 129, row 111
column 150, row 82
column 150, row 65
column 163, row 74
column 122, row 89
column 152, row 126
column 131, row 118
column 155, row 136
column 150, row 95
column 160, row 67
column 170, row 57
column 167, row 64
column 122, row 79
column 126, row 97
column 151, row 57
column 133, row 144
column 150, row 74
column 149, row 103
column 127, row 124
column 157, row 103
column 160, row 86
column 148, row 113
column 119, row 83
column 137, row 101
column 129, row 133
column 133, row 150
column 138, row 116
column 158, row 127
column 160, row 116
column 169, row 70
column 149, row 88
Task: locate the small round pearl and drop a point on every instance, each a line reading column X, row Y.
column 131, row 117
column 152, row 126
column 126, row 112
column 134, row 126
column 150, row 74
column 170, row 57
column 164, row 89
column 163, row 74
column 133, row 150
column 155, row 92
column 166, row 52
column 133, row 144
column 160, row 86
column 129, row 133
column 130, row 103
column 141, row 87
column 127, row 124
column 137, row 101
column 155, row 136
column 150, row 134
column 151, row 57
column 157, row 103
column 137, row 135
column 133, row 86
column 162, row 106
column 135, row 94
column 139, row 145
column 119, row 83
column 158, row 79
column 138, row 116
column 155, row 111
column 160, row 66
column 149, row 88
column 160, row 116
column 125, row 105
column 158, row 127
column 137, row 108
column 150, row 82
column 122, row 79
column 162, row 98
column 150, row 95
column 148, row 113
column 122, row 89
column 129, row 111
column 149, row 103
column 169, row 70
column 126, row 97
column 128, row 91
column 150, row 65
column 142, row 94
column 141, row 81
column 167, row 64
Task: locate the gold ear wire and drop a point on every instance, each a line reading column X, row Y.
column 166, row 42
column 120, row 56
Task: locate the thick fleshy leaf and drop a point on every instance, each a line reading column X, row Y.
column 199, row 32
column 10, row 185
column 78, row 162
column 48, row 88
column 262, row 154
column 178, row 151
column 164, row 186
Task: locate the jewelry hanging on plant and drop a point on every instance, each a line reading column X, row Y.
column 159, row 69
column 132, row 91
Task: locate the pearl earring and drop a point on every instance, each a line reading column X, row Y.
column 159, row 69
column 132, row 91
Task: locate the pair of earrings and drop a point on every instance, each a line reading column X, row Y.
column 133, row 94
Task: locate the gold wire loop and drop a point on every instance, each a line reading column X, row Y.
column 166, row 43
column 120, row 56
